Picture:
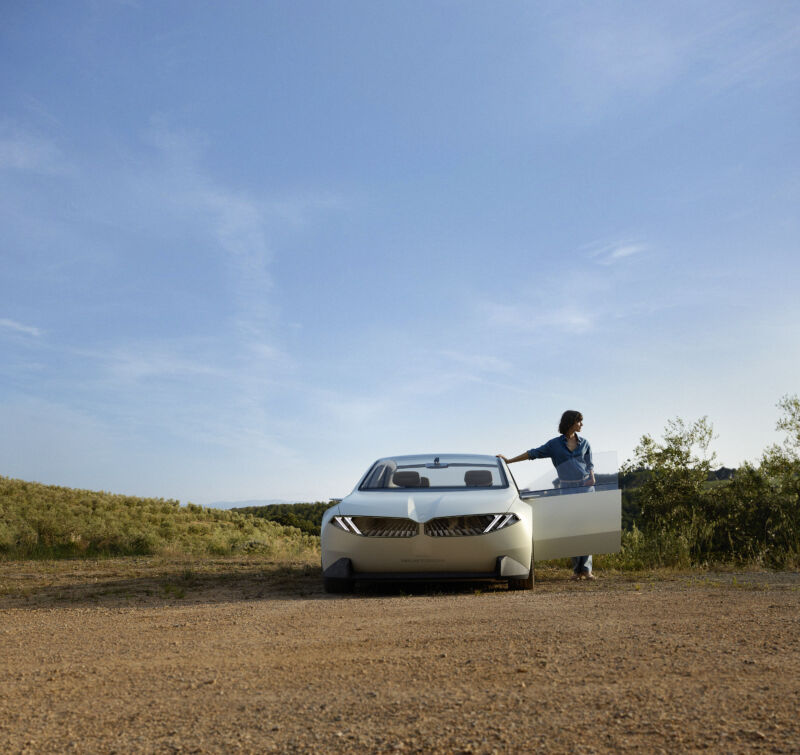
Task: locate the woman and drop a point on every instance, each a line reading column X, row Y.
column 572, row 457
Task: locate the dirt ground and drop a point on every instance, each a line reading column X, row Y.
column 150, row 655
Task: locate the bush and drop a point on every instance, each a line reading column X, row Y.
column 684, row 520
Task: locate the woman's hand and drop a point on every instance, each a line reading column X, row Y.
column 500, row 456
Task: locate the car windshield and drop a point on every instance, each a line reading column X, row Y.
column 434, row 472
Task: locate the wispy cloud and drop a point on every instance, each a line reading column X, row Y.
column 183, row 388
column 151, row 361
column 641, row 49
column 27, row 152
column 604, row 55
column 219, row 381
column 610, row 253
column 18, row 327
column 766, row 49
column 241, row 223
column 397, row 395
column 241, row 226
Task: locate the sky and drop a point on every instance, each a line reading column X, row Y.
column 247, row 248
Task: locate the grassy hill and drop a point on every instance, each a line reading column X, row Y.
column 48, row 521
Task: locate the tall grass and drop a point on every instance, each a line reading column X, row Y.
column 48, row 521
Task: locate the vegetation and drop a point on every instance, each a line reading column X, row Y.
column 676, row 513
column 307, row 517
column 46, row 521
column 678, row 518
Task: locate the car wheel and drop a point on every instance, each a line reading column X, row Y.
column 521, row 583
column 338, row 586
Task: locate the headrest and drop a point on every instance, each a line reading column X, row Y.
column 478, row 478
column 406, row 479
column 424, row 482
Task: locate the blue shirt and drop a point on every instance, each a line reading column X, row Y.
column 572, row 466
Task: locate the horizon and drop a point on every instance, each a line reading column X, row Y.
column 247, row 253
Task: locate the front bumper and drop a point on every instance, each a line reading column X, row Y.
column 505, row 567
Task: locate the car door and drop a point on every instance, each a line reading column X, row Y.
column 575, row 523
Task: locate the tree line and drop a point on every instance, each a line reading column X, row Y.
column 307, row 517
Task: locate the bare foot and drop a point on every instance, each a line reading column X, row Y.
column 588, row 575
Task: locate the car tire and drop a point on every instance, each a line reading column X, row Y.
column 521, row 583
column 338, row 586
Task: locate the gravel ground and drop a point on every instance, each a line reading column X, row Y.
column 134, row 656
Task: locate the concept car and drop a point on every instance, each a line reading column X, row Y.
column 457, row 516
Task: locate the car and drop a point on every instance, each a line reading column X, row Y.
column 458, row 516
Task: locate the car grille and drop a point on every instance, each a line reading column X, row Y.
column 458, row 526
column 382, row 526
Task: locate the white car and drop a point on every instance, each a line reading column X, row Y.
column 458, row 516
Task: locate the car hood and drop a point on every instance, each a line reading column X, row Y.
column 420, row 506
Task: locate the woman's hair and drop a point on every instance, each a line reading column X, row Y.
column 568, row 419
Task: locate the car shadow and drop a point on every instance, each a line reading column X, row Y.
column 185, row 586
column 143, row 582
column 418, row 588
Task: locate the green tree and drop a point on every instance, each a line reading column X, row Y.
column 684, row 520
column 760, row 510
column 675, row 472
column 790, row 424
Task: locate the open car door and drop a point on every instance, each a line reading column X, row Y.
column 576, row 521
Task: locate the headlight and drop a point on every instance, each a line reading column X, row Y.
column 499, row 521
column 376, row 526
column 345, row 523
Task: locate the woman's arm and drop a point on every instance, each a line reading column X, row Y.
column 543, row 452
column 522, row 457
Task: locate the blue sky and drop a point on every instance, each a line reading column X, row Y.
column 247, row 248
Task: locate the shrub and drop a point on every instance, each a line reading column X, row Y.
column 685, row 520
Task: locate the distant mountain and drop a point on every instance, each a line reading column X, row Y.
column 242, row 504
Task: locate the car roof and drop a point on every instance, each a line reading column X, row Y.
column 414, row 459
